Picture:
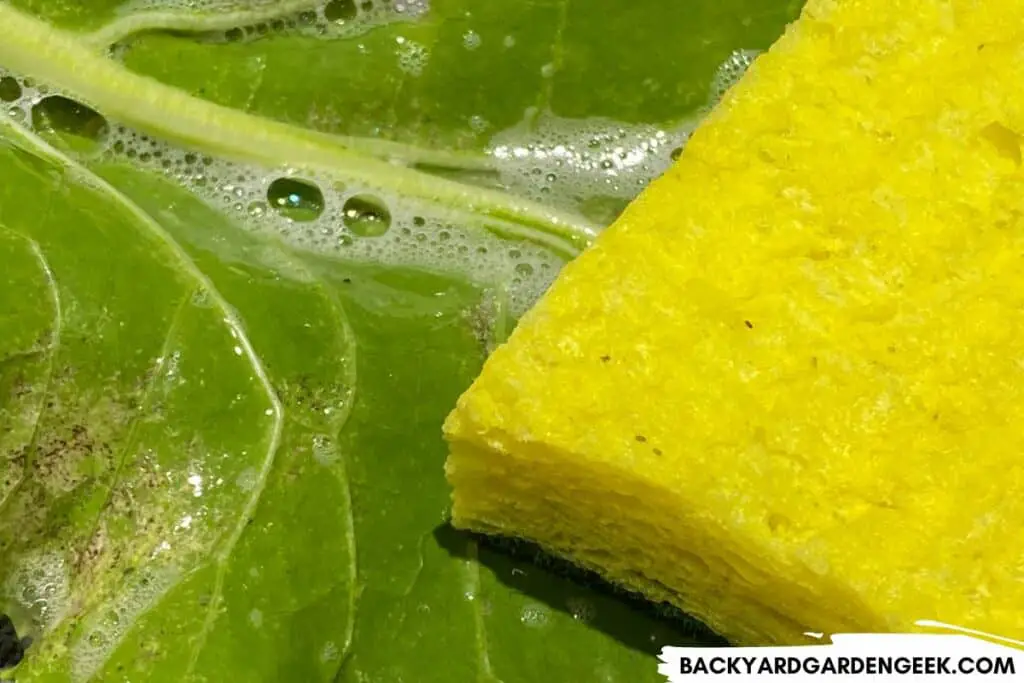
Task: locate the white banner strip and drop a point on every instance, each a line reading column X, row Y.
column 904, row 657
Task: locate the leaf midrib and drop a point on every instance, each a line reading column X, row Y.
column 58, row 58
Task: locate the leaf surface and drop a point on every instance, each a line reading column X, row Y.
column 220, row 453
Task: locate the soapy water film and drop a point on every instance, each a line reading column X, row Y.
column 570, row 164
column 592, row 167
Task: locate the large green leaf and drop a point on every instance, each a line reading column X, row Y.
column 220, row 453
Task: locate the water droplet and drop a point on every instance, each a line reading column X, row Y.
column 412, row 57
column 478, row 123
column 471, row 40
column 524, row 269
column 676, row 153
column 10, row 89
column 329, row 653
column 548, row 70
column 296, row 199
column 581, row 610
column 340, row 10
column 509, row 41
column 256, row 618
column 201, row 298
column 534, row 616
column 257, row 209
column 247, row 479
column 366, row 216
column 324, row 450
column 78, row 125
column 234, row 35
column 731, row 71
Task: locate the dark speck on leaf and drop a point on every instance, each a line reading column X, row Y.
column 657, row 451
column 749, row 324
column 605, row 359
column 641, row 438
column 12, row 648
column 347, row 280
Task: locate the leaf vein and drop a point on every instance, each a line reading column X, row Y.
column 189, row 20
column 483, row 650
column 147, row 391
column 55, row 335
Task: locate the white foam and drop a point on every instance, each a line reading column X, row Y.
column 21, row 108
column 559, row 162
column 325, row 451
column 534, row 615
column 412, row 56
column 418, row 236
column 197, row 6
column 566, row 161
column 41, row 583
column 730, row 72
column 471, row 40
column 103, row 632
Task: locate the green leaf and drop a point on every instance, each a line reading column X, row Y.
column 626, row 61
column 220, row 452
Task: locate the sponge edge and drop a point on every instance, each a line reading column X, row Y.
column 785, row 391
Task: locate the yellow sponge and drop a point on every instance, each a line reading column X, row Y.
column 785, row 391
